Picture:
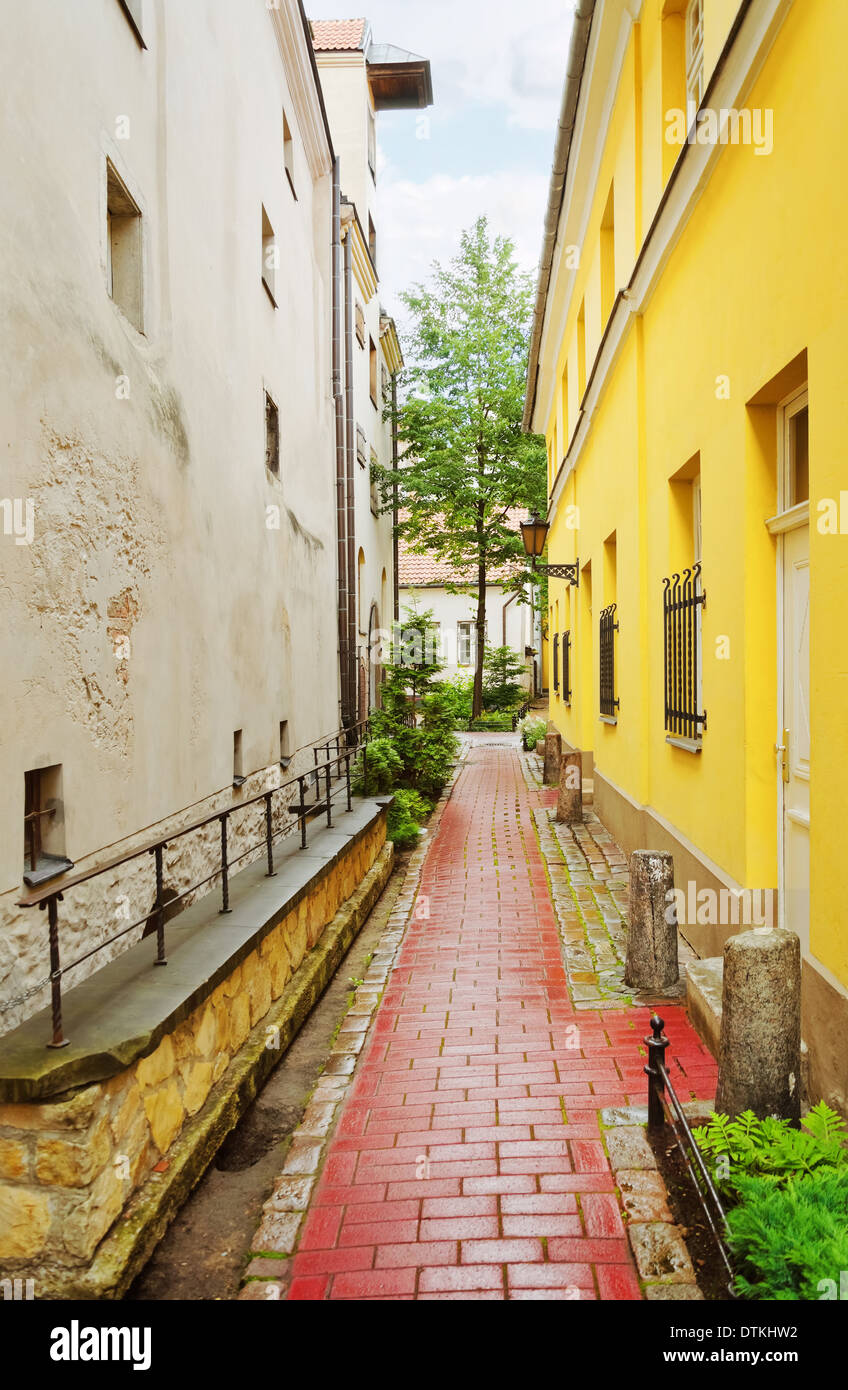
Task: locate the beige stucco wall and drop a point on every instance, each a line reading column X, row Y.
column 151, row 513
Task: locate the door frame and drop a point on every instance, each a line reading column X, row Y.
column 789, row 517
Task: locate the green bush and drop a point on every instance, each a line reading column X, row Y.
column 502, row 676
column 531, row 729
column 459, row 692
column 378, row 772
column 788, row 1238
column 406, row 812
column 771, row 1148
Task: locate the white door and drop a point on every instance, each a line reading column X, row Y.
column 794, row 737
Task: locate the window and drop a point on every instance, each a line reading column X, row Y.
column 133, row 11
column 238, row 768
column 372, row 144
column 566, row 667
column 272, row 436
column 372, row 240
column 270, row 258
column 44, row 826
column 372, row 369
column 375, row 491
column 285, row 750
column 694, row 55
column 609, row 627
column 465, row 634
column 360, row 324
column 556, row 661
column 796, row 450
column 123, row 248
column 361, row 447
column 288, row 153
column 683, row 600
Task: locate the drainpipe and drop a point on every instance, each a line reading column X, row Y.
column 350, row 443
column 395, row 542
column 338, row 402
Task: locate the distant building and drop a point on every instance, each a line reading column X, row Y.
column 360, row 79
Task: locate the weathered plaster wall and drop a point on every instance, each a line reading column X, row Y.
column 174, row 590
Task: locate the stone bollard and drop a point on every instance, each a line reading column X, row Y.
column 652, row 932
column 553, row 753
column 569, row 809
column 759, row 1064
column 540, row 747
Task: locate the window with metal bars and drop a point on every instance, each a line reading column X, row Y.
column 683, row 602
column 566, row 667
column 609, row 627
column 556, row 661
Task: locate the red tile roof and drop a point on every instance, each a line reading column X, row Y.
column 415, row 570
column 337, row 35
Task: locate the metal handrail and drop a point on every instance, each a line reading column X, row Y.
column 347, row 743
column 664, row 1109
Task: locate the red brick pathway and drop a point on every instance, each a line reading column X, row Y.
column 468, row 1160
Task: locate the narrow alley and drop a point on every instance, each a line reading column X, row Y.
column 468, row 1160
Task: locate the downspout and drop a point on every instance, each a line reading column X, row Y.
column 350, row 449
column 395, row 541
column 338, row 402
column 505, row 607
column 562, row 150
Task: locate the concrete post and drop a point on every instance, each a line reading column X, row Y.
column 570, row 799
column 540, row 747
column 652, row 931
column 553, row 753
column 760, row 1046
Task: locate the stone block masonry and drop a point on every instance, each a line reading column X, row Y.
column 132, row 1143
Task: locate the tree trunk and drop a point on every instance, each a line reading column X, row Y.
column 477, row 701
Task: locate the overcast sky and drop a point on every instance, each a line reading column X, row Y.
column 487, row 143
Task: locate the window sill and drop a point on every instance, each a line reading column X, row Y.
column 608, row 718
column 48, row 866
column 689, row 745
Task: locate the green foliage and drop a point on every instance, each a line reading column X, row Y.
column 405, row 814
column 771, row 1148
column 531, row 729
column 466, row 461
column 502, row 672
column 377, row 773
column 459, row 691
column 788, row 1238
column 495, row 722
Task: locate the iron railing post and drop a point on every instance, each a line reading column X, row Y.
column 329, row 794
column 58, row 1040
column 301, row 785
column 347, row 779
column 269, row 837
column 160, row 908
column 225, row 882
column 654, row 1069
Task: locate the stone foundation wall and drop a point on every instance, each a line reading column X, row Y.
column 69, row 1167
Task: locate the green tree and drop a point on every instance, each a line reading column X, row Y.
column 502, row 673
column 466, row 463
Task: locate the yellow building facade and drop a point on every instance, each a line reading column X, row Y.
column 688, row 368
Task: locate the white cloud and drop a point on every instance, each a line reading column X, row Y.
column 422, row 222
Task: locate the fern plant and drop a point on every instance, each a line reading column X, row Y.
column 790, row 1240
column 771, row 1148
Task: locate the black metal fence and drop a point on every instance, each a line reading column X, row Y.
column 306, row 796
column 566, row 667
column 609, row 627
column 664, row 1107
column 683, row 601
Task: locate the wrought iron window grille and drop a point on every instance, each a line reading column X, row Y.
column 566, row 667
column 556, row 661
column 609, row 626
column 683, row 602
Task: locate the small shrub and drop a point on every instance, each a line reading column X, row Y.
column 406, row 812
column 377, row 773
column 790, row 1239
column 459, row 693
column 502, row 676
column 531, row 729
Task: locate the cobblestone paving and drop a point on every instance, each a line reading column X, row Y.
column 469, row 1159
column 590, row 888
